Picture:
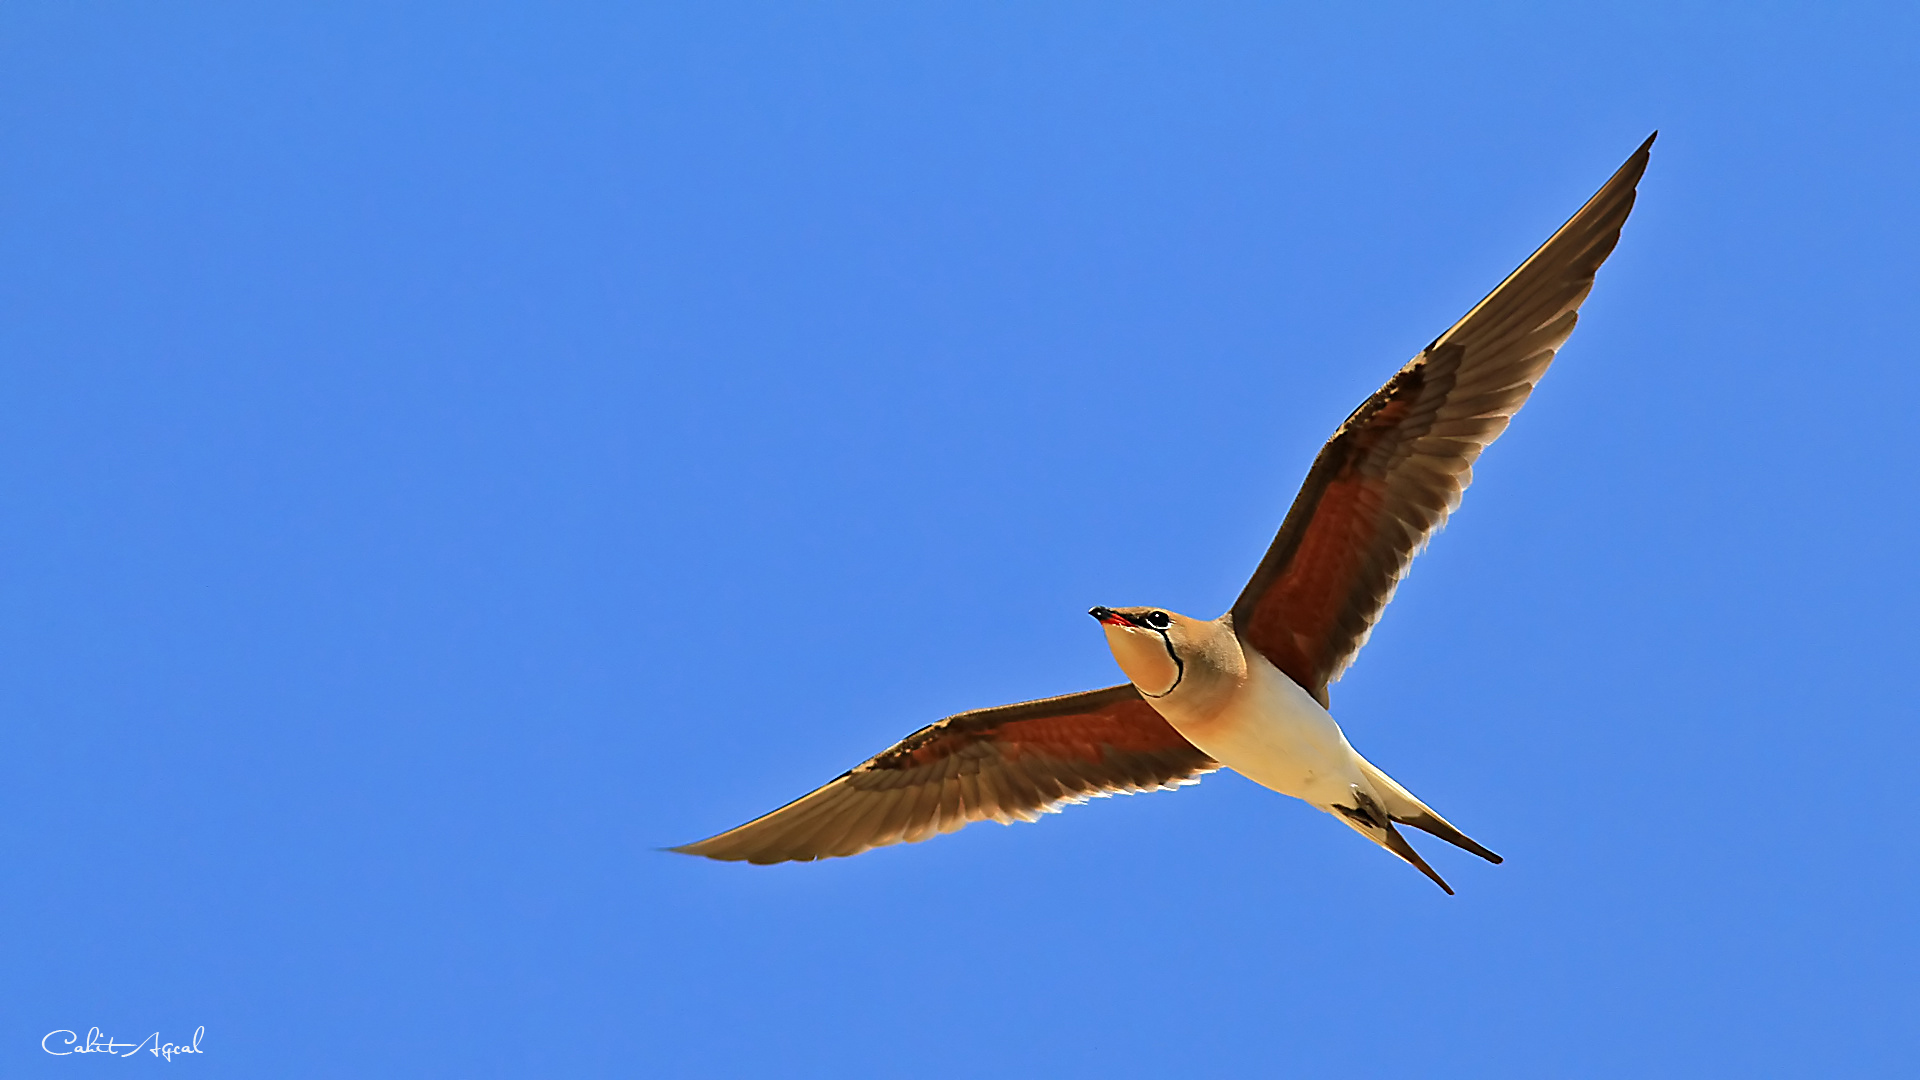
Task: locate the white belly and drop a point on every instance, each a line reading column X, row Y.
column 1274, row 733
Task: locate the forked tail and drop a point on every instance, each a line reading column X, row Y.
column 1406, row 810
column 1372, row 821
column 1403, row 808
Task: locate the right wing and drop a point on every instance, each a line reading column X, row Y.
column 1395, row 469
column 1010, row 763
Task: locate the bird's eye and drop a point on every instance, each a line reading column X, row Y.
column 1157, row 619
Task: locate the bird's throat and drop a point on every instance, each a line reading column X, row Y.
column 1147, row 659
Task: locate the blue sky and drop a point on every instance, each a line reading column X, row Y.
column 447, row 454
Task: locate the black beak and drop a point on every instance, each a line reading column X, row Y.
column 1109, row 617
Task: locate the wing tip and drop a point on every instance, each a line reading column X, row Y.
column 1632, row 169
column 756, row 858
column 694, row 849
column 706, row 849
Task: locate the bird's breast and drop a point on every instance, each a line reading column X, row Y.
column 1274, row 733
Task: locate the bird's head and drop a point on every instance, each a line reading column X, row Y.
column 1162, row 652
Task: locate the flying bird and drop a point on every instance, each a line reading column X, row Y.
column 1248, row 690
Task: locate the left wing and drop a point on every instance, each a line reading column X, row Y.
column 1397, row 466
column 1011, row 763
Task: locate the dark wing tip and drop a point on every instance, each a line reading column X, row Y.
column 758, row 858
column 1634, row 167
column 694, row 849
column 718, row 849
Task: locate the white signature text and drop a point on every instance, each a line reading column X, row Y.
column 98, row 1043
